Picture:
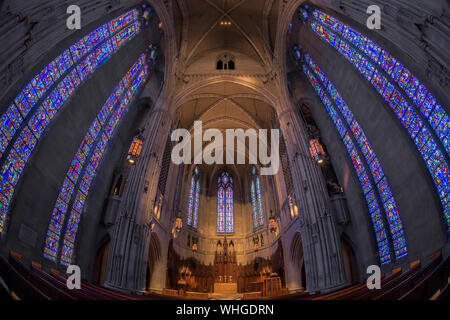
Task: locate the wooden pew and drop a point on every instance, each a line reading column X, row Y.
column 60, row 283
column 425, row 287
column 444, row 294
column 408, row 283
column 46, row 287
column 356, row 294
column 21, row 287
column 373, row 294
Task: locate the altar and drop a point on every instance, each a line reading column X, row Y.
column 225, row 288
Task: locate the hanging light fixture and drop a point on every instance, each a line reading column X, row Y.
column 135, row 150
column 316, row 151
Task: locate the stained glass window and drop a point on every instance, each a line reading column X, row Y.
column 366, row 184
column 83, row 168
column 374, row 165
column 382, row 70
column 43, row 96
column 225, row 202
column 255, row 194
column 194, row 199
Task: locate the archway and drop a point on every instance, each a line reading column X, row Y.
column 154, row 254
column 350, row 265
column 101, row 260
column 297, row 257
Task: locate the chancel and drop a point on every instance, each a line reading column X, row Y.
column 226, row 149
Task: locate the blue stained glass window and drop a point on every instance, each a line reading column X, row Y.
column 9, row 173
column 71, row 81
column 387, row 62
column 6, row 190
column 97, row 36
column 53, row 103
column 196, row 204
column 365, row 67
column 40, row 85
column 372, row 50
column 64, row 61
column 75, row 170
column 84, row 68
column 123, row 36
column 80, row 185
column 395, row 224
column 45, row 78
column 254, row 204
column 424, row 101
column 26, row 100
column 260, row 206
column 79, row 49
column 412, row 122
column 331, row 38
column 95, row 128
column 379, row 81
column 9, row 122
column 405, row 79
column 122, row 20
column 101, row 54
column 229, row 224
column 225, row 201
column 354, row 37
column 194, row 199
column 348, row 52
column 39, row 122
column 256, row 200
column 440, row 122
column 25, row 143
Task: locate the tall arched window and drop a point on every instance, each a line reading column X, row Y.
column 225, row 201
column 255, row 193
column 194, row 199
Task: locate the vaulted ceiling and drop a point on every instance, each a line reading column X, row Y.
column 239, row 28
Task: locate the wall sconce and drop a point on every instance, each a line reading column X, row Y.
column 293, row 208
column 152, row 54
column 273, row 226
column 135, row 150
column 194, row 247
column 146, row 14
column 177, row 225
column 256, row 243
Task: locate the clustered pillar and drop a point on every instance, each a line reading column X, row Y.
column 127, row 262
column 322, row 253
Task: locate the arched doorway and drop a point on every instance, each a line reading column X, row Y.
column 154, row 253
column 348, row 255
column 297, row 257
column 101, row 260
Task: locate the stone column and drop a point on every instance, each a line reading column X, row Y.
column 128, row 255
column 321, row 249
